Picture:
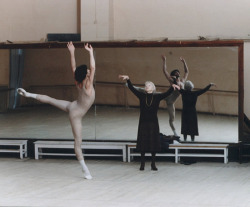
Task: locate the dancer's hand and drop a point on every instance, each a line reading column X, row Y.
column 213, row 84
column 71, row 47
column 182, row 59
column 163, row 57
column 124, row 77
column 88, row 47
column 175, row 86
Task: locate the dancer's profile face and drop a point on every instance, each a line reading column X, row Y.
column 149, row 88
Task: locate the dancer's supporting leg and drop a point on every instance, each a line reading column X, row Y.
column 153, row 167
column 76, row 124
column 171, row 113
column 142, row 161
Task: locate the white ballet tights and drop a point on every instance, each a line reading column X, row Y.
column 85, row 170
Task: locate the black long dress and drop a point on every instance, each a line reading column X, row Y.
column 148, row 139
column 189, row 121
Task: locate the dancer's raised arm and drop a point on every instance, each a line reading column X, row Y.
column 186, row 71
column 89, row 48
column 130, row 85
column 71, row 48
column 166, row 73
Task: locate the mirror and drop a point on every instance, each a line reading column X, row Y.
column 115, row 114
column 117, row 108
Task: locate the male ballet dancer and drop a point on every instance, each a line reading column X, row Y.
column 77, row 109
column 174, row 78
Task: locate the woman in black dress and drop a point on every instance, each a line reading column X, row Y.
column 148, row 139
column 189, row 123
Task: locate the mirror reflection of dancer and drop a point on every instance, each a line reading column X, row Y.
column 77, row 109
column 189, row 122
column 148, row 139
column 174, row 78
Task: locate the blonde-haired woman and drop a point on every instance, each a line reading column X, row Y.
column 148, row 139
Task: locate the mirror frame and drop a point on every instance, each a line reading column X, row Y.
column 165, row 43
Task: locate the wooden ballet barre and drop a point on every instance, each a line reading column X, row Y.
column 40, row 145
column 17, row 146
column 178, row 151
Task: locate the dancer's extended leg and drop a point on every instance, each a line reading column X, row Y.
column 61, row 104
column 76, row 124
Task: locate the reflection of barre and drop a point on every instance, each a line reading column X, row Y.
column 22, row 144
column 6, row 89
column 40, row 145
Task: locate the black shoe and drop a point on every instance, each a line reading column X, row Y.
column 142, row 166
column 153, row 167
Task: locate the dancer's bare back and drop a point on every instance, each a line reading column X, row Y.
column 81, row 105
column 86, row 91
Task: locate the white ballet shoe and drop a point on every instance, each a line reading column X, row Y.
column 87, row 175
column 26, row 94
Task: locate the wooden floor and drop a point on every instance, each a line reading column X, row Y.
column 106, row 123
column 59, row 182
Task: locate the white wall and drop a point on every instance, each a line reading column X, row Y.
column 97, row 20
column 31, row 20
column 149, row 19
